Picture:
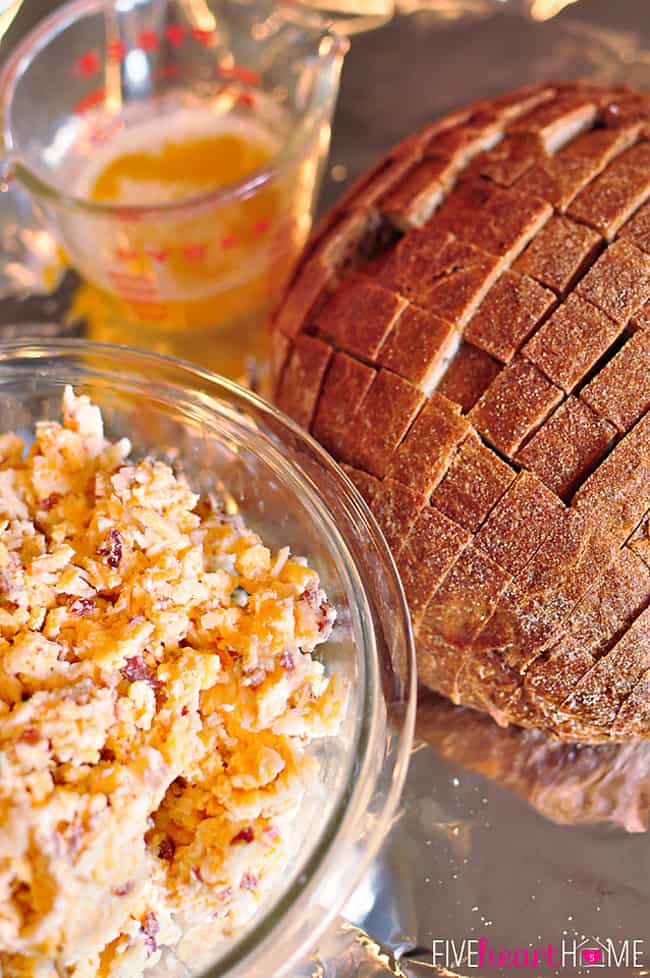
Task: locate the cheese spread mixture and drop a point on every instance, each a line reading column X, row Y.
column 157, row 694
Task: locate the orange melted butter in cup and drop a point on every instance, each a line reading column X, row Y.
column 217, row 262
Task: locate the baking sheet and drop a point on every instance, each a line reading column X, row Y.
column 474, row 853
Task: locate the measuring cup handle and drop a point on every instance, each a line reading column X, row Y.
column 36, row 290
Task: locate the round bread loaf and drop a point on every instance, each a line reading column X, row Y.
column 468, row 334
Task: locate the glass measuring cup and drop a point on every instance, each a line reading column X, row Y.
column 193, row 268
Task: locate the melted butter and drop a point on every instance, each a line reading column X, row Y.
column 180, row 169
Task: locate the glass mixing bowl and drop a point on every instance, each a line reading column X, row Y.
column 289, row 490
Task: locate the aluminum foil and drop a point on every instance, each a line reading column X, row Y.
column 505, row 840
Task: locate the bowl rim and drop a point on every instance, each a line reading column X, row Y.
column 257, row 936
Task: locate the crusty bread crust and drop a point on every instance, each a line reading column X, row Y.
column 468, row 333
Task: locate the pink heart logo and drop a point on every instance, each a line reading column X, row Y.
column 592, row 955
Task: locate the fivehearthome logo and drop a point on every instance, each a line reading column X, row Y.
column 570, row 954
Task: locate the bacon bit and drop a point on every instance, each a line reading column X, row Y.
column 246, row 835
column 249, row 881
column 195, row 873
column 185, row 711
column 124, row 889
column 310, row 595
column 40, row 528
column 326, row 618
column 150, row 924
column 30, row 735
column 150, row 927
column 228, row 657
column 223, row 897
column 136, row 670
column 112, row 549
column 209, row 505
column 83, row 607
column 167, row 849
column 287, row 661
column 74, row 836
column 51, row 501
column 255, row 677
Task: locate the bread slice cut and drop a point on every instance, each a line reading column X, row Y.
column 468, row 332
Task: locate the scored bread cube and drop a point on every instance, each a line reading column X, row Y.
column 639, row 542
column 617, row 493
column 515, row 404
column 568, row 345
column 474, row 483
column 344, row 388
column 312, row 283
column 498, row 221
column 420, row 191
column 602, row 691
column 430, row 549
column 534, row 610
column 419, row 347
column 467, row 596
column 607, row 609
column 615, row 195
column 620, row 392
column 424, row 456
column 462, row 143
column 637, row 229
column 508, row 315
column 301, row 381
column 559, row 120
column 436, row 271
column 559, row 254
column 619, row 282
column 519, row 523
column 359, row 316
column 395, row 507
column 508, row 160
column 567, row 446
column 384, row 416
column 469, row 374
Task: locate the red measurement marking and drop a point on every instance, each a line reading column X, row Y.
column 194, row 252
column 105, row 133
column 135, row 283
column 248, row 76
column 167, row 71
column 229, row 242
column 126, row 254
column 160, row 255
column 261, row 226
column 175, row 34
column 148, row 40
column 203, row 37
column 131, row 217
column 152, row 310
column 94, row 98
column 116, row 51
column 87, row 65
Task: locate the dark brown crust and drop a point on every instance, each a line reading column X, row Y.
column 468, row 333
column 568, row 446
column 468, row 376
